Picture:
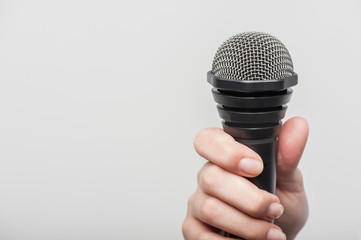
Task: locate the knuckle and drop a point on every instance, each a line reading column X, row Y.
column 260, row 204
column 199, row 175
column 209, row 210
column 200, row 172
column 189, row 233
column 191, row 201
column 208, row 177
column 185, row 228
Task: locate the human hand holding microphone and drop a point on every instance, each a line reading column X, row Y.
column 252, row 74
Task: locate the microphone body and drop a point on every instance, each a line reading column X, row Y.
column 252, row 76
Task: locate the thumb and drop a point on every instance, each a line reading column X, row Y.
column 292, row 141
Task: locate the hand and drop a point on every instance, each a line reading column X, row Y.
column 225, row 200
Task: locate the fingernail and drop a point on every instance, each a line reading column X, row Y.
column 250, row 166
column 275, row 210
column 275, row 234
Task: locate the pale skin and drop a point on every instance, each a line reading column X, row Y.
column 225, row 200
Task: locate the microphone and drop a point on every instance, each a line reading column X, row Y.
column 252, row 75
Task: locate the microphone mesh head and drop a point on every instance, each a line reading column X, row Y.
column 252, row 56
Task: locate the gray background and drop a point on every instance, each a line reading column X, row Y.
column 100, row 101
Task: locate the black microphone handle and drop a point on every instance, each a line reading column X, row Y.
column 252, row 112
column 267, row 149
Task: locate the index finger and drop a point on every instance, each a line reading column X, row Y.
column 221, row 149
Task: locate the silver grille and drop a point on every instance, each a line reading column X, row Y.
column 252, row 56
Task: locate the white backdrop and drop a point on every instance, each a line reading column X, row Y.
column 100, row 101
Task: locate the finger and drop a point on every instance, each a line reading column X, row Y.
column 193, row 229
column 220, row 148
column 220, row 215
column 239, row 192
column 292, row 141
